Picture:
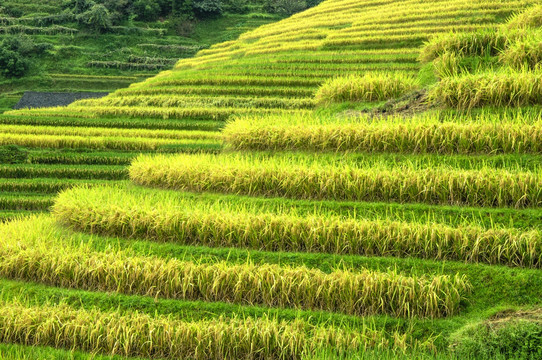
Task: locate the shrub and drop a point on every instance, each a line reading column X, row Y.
column 285, row 7
column 97, row 18
column 12, row 154
column 78, row 6
column 370, row 87
column 12, row 64
column 515, row 337
column 207, row 8
column 146, row 10
column 237, row 6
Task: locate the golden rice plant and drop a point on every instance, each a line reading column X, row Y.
column 524, row 53
column 480, row 43
column 35, row 250
column 137, row 334
column 420, row 134
column 159, row 216
column 530, row 18
column 108, row 132
column 447, row 64
column 370, row 87
column 289, row 177
column 98, row 142
column 500, row 89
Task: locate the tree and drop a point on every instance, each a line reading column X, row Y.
column 237, row 6
column 146, row 10
column 285, row 7
column 182, row 9
column 12, row 64
column 207, row 8
column 78, row 6
column 97, row 18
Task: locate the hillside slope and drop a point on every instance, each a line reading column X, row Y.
column 288, row 60
column 62, row 52
column 288, row 233
column 275, row 69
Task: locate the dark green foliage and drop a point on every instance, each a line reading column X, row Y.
column 119, row 10
column 12, row 154
column 501, row 338
column 24, row 45
column 311, row 3
column 204, row 9
column 10, row 10
column 78, row 6
column 146, row 10
column 97, row 18
column 182, row 9
column 15, row 52
column 236, row 6
column 12, row 64
column 285, row 7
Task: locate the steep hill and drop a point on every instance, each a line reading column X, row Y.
column 275, row 69
column 262, row 221
column 61, row 49
column 279, row 66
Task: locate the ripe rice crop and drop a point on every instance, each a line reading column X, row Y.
column 487, row 42
column 530, row 18
column 28, row 253
column 305, row 179
column 18, row 201
column 122, row 123
column 108, row 132
column 184, row 101
column 500, row 89
column 220, row 80
column 370, row 87
column 19, row 171
column 142, row 335
column 89, row 142
column 525, row 52
column 421, row 134
column 43, row 185
column 275, row 91
column 115, row 211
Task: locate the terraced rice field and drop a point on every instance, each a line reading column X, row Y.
column 217, row 211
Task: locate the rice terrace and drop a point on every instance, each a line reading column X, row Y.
column 270, row 179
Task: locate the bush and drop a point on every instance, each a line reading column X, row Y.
column 24, row 45
column 97, row 18
column 371, row 87
column 204, row 9
column 12, row 64
column 12, row 154
column 500, row 338
column 237, row 6
column 11, row 11
column 78, row 6
column 182, row 27
column 285, row 7
column 119, row 10
column 146, row 10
